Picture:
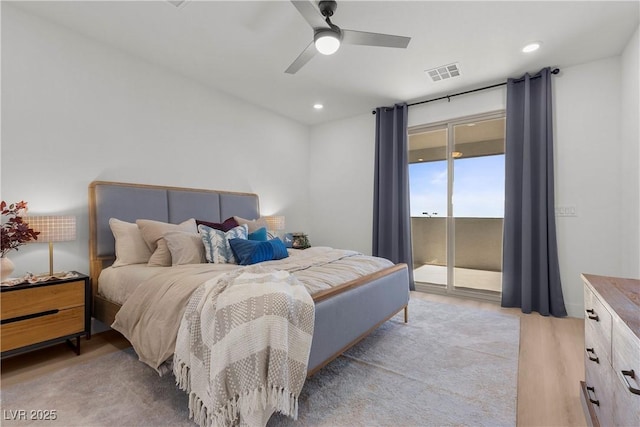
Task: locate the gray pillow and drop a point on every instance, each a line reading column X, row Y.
column 152, row 232
column 185, row 248
column 252, row 225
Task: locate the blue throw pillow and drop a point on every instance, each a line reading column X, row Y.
column 249, row 252
column 260, row 235
column 279, row 249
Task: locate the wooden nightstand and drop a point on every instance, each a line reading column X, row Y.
column 38, row 315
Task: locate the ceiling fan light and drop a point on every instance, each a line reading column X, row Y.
column 531, row 47
column 327, row 42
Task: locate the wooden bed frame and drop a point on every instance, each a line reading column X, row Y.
column 345, row 314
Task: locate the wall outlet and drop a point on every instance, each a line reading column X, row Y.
column 567, row 210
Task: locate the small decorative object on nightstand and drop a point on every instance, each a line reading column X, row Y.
column 15, row 233
column 35, row 315
column 300, row 241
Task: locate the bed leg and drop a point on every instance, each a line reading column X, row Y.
column 406, row 314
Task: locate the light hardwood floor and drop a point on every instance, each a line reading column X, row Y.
column 550, row 364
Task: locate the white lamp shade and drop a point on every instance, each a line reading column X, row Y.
column 56, row 228
column 275, row 222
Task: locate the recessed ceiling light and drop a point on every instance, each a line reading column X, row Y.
column 531, row 47
column 318, row 106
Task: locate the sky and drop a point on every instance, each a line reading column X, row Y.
column 478, row 188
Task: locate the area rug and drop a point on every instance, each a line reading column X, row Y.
column 449, row 365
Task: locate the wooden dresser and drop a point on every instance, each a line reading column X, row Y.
column 611, row 390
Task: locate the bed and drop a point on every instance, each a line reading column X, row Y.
column 344, row 312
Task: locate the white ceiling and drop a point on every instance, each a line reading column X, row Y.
column 243, row 47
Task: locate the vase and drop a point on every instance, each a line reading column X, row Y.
column 6, row 267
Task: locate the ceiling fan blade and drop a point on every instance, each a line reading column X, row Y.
column 310, row 13
column 374, row 39
column 302, row 59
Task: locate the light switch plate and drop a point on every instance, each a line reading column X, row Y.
column 566, row 210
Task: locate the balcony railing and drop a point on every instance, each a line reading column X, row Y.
column 478, row 251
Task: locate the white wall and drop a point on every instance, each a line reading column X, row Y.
column 588, row 175
column 75, row 110
column 630, row 133
column 590, row 172
column 341, row 183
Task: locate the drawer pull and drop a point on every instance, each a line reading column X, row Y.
column 591, row 314
column 593, row 358
column 592, row 390
column 631, row 374
column 29, row 316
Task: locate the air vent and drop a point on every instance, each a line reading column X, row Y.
column 444, row 72
column 177, row 3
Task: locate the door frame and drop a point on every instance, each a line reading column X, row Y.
column 449, row 288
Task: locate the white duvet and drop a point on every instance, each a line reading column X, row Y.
column 318, row 268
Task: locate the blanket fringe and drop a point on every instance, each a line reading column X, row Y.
column 181, row 372
column 259, row 399
column 275, row 397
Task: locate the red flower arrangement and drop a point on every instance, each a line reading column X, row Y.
column 15, row 232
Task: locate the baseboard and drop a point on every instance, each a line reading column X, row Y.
column 575, row 310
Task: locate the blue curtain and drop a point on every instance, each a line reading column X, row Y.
column 531, row 274
column 391, row 214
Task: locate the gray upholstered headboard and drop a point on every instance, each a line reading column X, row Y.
column 129, row 202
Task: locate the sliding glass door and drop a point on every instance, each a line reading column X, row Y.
column 457, row 200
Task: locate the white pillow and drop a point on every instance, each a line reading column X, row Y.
column 253, row 225
column 216, row 243
column 152, row 232
column 130, row 245
column 185, row 248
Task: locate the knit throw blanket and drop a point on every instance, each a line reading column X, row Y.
column 243, row 346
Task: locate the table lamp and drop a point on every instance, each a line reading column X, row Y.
column 56, row 228
column 275, row 223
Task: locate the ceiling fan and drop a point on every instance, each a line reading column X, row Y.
column 327, row 36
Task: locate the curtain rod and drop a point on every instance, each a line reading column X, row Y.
column 448, row 97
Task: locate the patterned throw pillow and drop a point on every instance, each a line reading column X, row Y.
column 216, row 243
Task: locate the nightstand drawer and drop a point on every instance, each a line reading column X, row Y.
column 38, row 329
column 43, row 298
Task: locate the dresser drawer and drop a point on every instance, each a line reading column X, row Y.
column 626, row 406
column 43, row 328
column 612, row 326
column 595, row 350
column 597, row 323
column 43, row 298
column 600, row 391
column 626, row 359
